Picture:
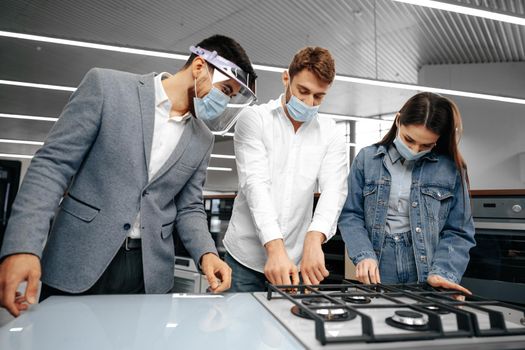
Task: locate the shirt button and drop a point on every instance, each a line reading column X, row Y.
column 126, row 226
column 423, row 258
column 414, row 204
column 418, row 229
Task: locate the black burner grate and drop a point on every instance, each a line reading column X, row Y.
column 421, row 316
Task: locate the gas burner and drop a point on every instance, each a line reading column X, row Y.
column 408, row 320
column 329, row 315
column 436, row 309
column 356, row 299
column 316, row 301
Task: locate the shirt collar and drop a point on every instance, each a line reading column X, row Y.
column 162, row 100
column 393, row 154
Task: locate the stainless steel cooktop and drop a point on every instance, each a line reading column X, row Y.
column 354, row 316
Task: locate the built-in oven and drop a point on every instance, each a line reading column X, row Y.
column 219, row 211
column 188, row 278
column 9, row 181
column 497, row 264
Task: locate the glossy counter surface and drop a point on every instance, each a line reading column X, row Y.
column 171, row 321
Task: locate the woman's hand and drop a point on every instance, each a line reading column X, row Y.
column 367, row 271
column 440, row 282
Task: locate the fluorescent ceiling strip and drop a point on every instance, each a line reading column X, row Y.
column 466, row 10
column 405, row 86
column 219, row 168
column 22, row 142
column 343, row 78
column 27, row 117
column 349, row 117
column 222, row 156
column 269, row 68
column 77, row 43
column 37, row 85
column 17, row 156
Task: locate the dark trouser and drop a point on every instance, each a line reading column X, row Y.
column 244, row 279
column 124, row 275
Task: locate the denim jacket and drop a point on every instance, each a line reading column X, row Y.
column 440, row 216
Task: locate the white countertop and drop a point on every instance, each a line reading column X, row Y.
column 228, row 321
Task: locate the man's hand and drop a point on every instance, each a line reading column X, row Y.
column 15, row 269
column 437, row 281
column 218, row 273
column 313, row 268
column 279, row 268
column 367, row 271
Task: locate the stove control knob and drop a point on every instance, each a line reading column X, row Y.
column 516, row 208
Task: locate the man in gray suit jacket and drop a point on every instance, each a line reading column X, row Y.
column 123, row 167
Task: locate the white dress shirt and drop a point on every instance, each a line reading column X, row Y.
column 278, row 174
column 166, row 135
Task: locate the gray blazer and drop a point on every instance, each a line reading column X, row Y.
column 90, row 179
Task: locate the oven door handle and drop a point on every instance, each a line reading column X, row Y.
column 510, row 226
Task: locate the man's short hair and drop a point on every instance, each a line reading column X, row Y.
column 226, row 48
column 317, row 60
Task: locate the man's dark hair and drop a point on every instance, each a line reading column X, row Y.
column 227, row 48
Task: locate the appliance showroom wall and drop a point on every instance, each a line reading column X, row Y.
column 493, row 142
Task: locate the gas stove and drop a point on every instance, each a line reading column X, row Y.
column 355, row 316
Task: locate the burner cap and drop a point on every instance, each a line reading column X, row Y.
column 356, row 299
column 408, row 320
column 408, row 314
column 327, row 314
column 437, row 309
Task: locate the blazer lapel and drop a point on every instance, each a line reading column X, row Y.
column 179, row 149
column 146, row 89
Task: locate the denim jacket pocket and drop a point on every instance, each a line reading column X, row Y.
column 437, row 202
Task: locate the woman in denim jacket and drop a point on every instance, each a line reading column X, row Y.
column 407, row 217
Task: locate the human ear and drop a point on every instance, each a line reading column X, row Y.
column 285, row 76
column 197, row 66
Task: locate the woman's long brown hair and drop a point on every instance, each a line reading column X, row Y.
column 441, row 116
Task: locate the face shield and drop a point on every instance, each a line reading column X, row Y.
column 225, row 71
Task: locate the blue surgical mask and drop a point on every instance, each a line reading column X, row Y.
column 406, row 152
column 212, row 105
column 300, row 111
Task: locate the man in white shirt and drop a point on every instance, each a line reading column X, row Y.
column 283, row 150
